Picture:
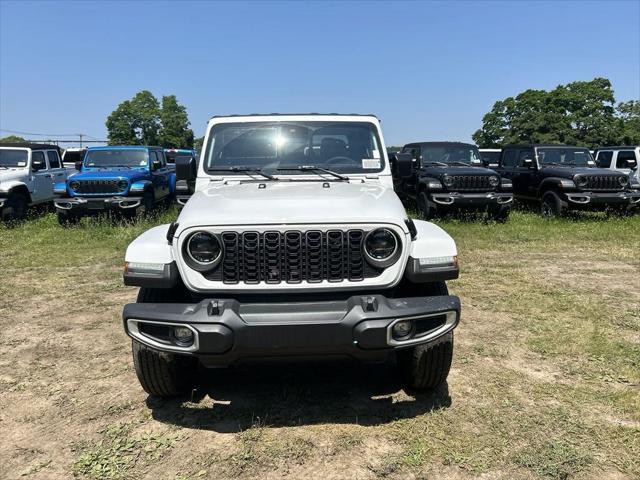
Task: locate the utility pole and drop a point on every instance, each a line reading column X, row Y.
column 81, row 135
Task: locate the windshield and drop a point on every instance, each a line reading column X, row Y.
column 116, row 158
column 450, row 154
column 490, row 157
column 564, row 156
column 13, row 158
column 345, row 147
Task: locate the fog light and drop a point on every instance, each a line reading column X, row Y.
column 402, row 329
column 182, row 336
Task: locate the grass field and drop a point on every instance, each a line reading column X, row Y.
column 545, row 381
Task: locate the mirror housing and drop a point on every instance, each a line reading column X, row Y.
column 186, row 173
column 78, row 165
column 155, row 165
column 37, row 165
column 528, row 162
column 631, row 164
column 403, row 165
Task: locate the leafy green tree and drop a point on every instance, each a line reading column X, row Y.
column 12, row 138
column 579, row 113
column 629, row 117
column 143, row 121
column 197, row 144
column 175, row 131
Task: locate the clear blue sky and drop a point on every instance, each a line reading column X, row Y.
column 429, row 70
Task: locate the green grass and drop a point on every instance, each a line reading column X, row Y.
column 545, row 384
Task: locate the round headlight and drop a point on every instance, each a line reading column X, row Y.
column 581, row 181
column 381, row 247
column 74, row 184
column 494, row 181
column 203, row 250
column 123, row 184
column 624, row 181
column 447, row 180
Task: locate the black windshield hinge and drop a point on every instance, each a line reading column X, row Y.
column 412, row 228
column 171, row 232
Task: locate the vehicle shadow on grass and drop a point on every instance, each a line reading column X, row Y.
column 287, row 395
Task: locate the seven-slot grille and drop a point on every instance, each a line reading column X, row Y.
column 293, row 257
column 98, row 186
column 603, row 182
column 471, row 182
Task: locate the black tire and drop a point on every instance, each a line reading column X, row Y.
column 425, row 207
column 426, row 367
column 15, row 208
column 552, row 205
column 67, row 219
column 498, row 213
column 162, row 374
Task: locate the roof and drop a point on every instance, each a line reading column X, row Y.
column 32, row 146
column 538, row 145
column 619, row 147
column 295, row 114
column 441, row 144
column 123, row 147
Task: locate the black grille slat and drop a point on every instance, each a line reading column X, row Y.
column 293, row 257
column 98, row 186
column 471, row 183
column 603, row 182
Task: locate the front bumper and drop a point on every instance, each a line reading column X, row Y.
column 596, row 199
column 457, row 199
column 227, row 331
column 85, row 204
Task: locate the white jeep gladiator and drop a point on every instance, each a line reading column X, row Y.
column 293, row 245
column 28, row 173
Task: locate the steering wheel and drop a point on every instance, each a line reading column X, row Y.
column 340, row 159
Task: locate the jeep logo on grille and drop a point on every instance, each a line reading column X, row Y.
column 274, row 273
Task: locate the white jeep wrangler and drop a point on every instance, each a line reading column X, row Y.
column 293, row 245
column 28, row 173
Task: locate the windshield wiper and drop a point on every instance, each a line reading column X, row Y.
column 249, row 170
column 316, row 170
column 461, row 164
column 440, row 164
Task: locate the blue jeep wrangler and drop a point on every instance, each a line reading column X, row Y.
column 120, row 179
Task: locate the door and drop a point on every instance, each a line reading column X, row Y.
column 525, row 173
column 159, row 173
column 507, row 163
column 409, row 184
column 56, row 169
column 603, row 158
column 626, row 161
column 41, row 186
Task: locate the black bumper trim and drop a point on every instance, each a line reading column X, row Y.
column 346, row 328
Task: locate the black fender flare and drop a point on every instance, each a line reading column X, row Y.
column 551, row 183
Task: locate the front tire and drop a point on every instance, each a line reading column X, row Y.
column 552, row 206
column 15, row 208
column 426, row 367
column 67, row 219
column 499, row 213
column 163, row 374
column 425, row 207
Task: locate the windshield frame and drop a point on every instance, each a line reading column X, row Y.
column 27, row 160
column 568, row 148
column 220, row 170
column 128, row 149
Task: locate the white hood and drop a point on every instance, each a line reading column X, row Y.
column 296, row 202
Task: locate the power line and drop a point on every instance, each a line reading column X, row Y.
column 46, row 134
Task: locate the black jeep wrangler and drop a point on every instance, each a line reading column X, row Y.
column 448, row 177
column 561, row 177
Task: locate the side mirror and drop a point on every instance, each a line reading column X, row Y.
column 403, row 165
column 155, row 165
column 631, row 164
column 78, row 165
column 37, row 165
column 185, row 173
column 476, row 161
column 528, row 162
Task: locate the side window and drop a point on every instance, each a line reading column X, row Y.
column 153, row 157
column 38, row 157
column 54, row 159
column 523, row 155
column 604, row 159
column 509, row 158
column 623, row 158
column 162, row 158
